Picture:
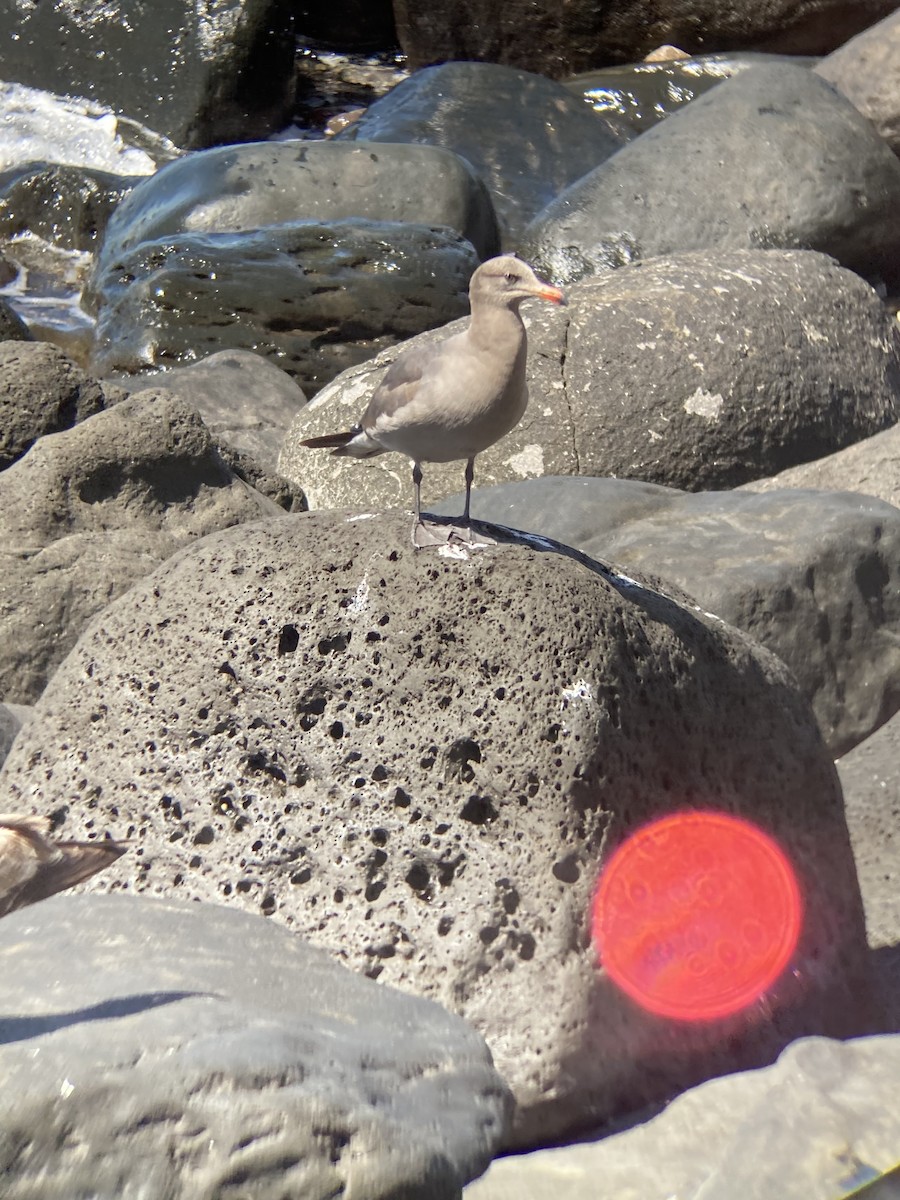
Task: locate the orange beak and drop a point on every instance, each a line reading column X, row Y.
column 553, row 294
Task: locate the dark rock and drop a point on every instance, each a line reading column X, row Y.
column 66, row 206
column 12, row 327
column 866, row 71
column 697, row 371
column 774, row 157
column 314, row 298
column 233, row 188
column 821, row 1121
column 347, row 24
column 88, row 511
column 557, row 39
column 420, row 758
column 233, row 64
column 245, row 401
column 12, row 718
column 871, row 467
column 813, row 576
column 188, row 1050
column 41, row 391
column 526, row 137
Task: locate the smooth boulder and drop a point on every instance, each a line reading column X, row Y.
column 866, row 71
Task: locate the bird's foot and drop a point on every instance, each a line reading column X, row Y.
column 446, row 531
column 428, row 535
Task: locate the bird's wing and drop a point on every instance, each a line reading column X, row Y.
column 400, row 385
column 22, row 850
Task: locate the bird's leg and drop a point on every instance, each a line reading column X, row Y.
column 417, row 488
column 470, row 475
column 421, row 534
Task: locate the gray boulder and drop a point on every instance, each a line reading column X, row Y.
column 314, row 298
column 234, row 188
column 88, row 511
column 12, row 718
column 190, row 1051
column 813, row 576
column 774, row 158
column 697, row 371
column 421, row 759
column 526, row 137
column 68, row 206
column 866, row 71
column 818, row 1124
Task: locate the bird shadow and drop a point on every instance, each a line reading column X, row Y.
column 22, row 1029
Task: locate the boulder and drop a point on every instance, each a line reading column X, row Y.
column 818, row 1124
column 812, row 576
column 12, row 718
column 696, row 371
column 313, row 297
column 239, row 188
column 187, row 1050
column 774, row 157
column 554, row 39
column 526, row 137
column 421, row 760
column 12, row 327
column 866, row 71
column 41, row 391
column 67, row 206
column 233, row 63
column 89, row 510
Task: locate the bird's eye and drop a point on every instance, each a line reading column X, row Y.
column 510, row 277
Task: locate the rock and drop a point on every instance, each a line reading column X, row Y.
column 12, row 718
column 541, row 35
column 231, row 1059
column 239, row 188
column 697, row 371
column 812, row 576
column 350, row 25
column 41, row 127
column 66, row 206
column 838, row 184
column 88, row 511
column 526, row 137
column 244, row 400
column 871, row 467
column 865, row 70
column 418, row 759
column 12, row 327
column 314, row 298
column 234, row 64
column 816, row 1125
column 41, row 391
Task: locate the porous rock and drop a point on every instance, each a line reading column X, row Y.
column 232, row 188
column 813, row 576
column 12, row 718
column 41, row 391
column 313, row 297
column 418, row 759
column 819, row 1123
column 164, row 1049
column 773, row 158
column 526, row 136
column 697, row 371
column 89, row 510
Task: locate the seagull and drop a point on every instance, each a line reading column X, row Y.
column 33, row 868
column 453, row 399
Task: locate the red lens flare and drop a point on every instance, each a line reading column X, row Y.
column 696, row 915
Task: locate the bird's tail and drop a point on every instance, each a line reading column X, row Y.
column 73, row 863
column 354, row 443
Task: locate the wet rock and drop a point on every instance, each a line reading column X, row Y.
column 866, row 71
column 419, row 759
column 41, row 391
column 526, row 137
column 312, row 297
column 244, row 400
column 812, row 576
column 542, row 35
column 696, row 371
column 66, row 206
column 818, row 1124
column 186, row 1050
column 12, row 327
column 234, row 64
column 88, row 511
column 703, row 179
column 239, row 188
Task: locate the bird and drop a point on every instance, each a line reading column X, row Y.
column 452, row 399
column 32, row 867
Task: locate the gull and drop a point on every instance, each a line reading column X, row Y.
column 451, row 400
column 33, row 868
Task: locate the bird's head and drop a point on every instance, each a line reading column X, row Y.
column 506, row 281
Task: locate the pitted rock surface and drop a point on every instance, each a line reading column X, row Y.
column 154, row 1050
column 418, row 759
column 89, row 510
